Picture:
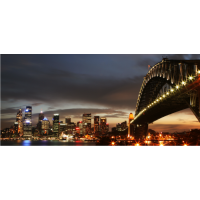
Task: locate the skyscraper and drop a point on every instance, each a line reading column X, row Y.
column 86, row 123
column 45, row 126
column 41, row 115
column 27, row 123
column 39, row 125
column 103, row 125
column 80, row 126
column 20, row 122
column 56, row 124
column 28, row 113
column 96, row 123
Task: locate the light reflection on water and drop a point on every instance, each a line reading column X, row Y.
column 47, row 143
column 26, row 142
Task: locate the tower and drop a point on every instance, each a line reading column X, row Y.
column 129, row 124
column 55, row 124
column 103, row 125
column 27, row 123
column 45, row 126
column 20, row 123
column 86, row 123
column 96, row 124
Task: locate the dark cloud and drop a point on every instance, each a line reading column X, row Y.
column 110, row 81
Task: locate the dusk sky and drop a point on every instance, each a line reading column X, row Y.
column 105, row 85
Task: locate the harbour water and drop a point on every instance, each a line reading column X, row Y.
column 46, row 143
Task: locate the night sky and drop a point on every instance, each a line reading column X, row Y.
column 104, row 85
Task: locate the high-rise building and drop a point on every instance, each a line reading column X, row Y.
column 96, row 123
column 103, row 127
column 27, row 123
column 28, row 113
column 39, row 124
column 56, row 124
column 45, row 126
column 41, row 116
column 20, row 122
column 27, row 126
column 80, row 126
column 67, row 120
column 86, row 123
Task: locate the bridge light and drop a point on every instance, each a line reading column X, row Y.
column 172, row 90
column 160, row 97
column 183, row 83
column 190, row 77
column 167, row 93
column 198, row 71
column 163, row 96
column 177, row 87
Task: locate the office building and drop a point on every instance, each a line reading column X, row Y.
column 27, row 127
column 96, row 124
column 86, row 123
column 41, row 116
column 103, row 127
column 28, row 113
column 45, row 126
column 56, row 124
column 80, row 126
column 20, row 122
column 27, row 123
column 39, row 124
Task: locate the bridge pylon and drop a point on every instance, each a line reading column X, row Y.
column 140, row 131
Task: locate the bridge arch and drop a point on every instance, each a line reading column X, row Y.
column 168, row 87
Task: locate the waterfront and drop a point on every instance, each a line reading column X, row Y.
column 46, row 143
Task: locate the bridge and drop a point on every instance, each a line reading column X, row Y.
column 168, row 87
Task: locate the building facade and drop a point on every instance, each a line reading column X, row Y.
column 56, row 124
column 27, row 123
column 45, row 126
column 20, row 122
column 86, row 123
column 96, row 124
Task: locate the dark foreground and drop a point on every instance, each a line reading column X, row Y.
column 46, row 143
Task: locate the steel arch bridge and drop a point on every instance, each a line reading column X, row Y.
column 168, row 87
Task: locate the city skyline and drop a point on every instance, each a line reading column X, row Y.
column 71, row 85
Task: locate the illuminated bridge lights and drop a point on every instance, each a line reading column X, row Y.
column 183, row 83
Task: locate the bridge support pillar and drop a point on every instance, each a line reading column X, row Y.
column 140, row 131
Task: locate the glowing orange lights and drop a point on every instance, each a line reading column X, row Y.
column 113, row 143
column 185, row 145
column 137, row 144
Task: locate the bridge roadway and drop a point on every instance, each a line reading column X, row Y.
column 183, row 91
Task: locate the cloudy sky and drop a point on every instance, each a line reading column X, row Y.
column 105, row 85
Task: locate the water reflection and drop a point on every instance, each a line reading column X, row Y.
column 26, row 143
